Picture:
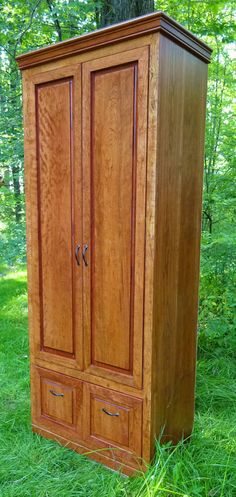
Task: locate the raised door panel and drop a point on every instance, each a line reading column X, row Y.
column 113, row 421
column 53, row 104
column 53, row 212
column 57, row 403
column 114, row 172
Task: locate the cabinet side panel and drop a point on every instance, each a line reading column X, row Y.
column 181, row 124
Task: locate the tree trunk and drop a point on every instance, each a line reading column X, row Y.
column 13, row 165
column 73, row 21
column 17, row 193
column 112, row 11
column 55, row 19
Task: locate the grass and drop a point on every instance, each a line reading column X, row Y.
column 31, row 466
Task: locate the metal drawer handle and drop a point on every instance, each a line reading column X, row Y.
column 84, row 253
column 77, row 254
column 110, row 413
column 56, row 394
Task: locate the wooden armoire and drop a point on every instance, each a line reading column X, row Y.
column 114, row 142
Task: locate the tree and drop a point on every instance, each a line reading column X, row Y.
column 30, row 24
column 111, row 11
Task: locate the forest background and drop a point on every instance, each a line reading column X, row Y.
column 30, row 24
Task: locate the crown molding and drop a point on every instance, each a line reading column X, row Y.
column 151, row 23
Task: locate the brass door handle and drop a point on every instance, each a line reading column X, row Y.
column 84, row 254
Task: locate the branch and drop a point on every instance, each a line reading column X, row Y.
column 19, row 39
column 55, row 19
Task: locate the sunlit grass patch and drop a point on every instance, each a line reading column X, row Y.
column 30, row 466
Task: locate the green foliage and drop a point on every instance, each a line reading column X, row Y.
column 217, row 317
column 31, row 466
column 214, row 23
column 12, row 244
column 205, row 467
column 27, row 25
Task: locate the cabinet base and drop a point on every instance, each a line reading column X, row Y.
column 97, row 455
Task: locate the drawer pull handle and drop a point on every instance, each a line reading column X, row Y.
column 56, row 394
column 77, row 254
column 110, row 413
column 84, row 254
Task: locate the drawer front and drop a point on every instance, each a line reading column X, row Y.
column 112, row 420
column 56, row 401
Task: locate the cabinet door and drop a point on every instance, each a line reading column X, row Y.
column 53, row 201
column 114, row 174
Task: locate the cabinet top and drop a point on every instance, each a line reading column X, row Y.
column 158, row 21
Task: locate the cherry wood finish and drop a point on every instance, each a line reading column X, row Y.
column 55, row 142
column 57, row 402
column 151, row 23
column 54, row 225
column 114, row 104
column 180, row 146
column 114, row 141
column 103, row 456
column 113, row 421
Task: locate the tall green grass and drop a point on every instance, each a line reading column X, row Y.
column 30, row 466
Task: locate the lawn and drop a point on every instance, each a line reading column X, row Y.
column 30, row 466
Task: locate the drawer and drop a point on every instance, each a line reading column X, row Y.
column 57, row 401
column 112, row 420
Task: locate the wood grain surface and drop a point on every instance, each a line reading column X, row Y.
column 113, row 421
column 114, row 338
column 54, row 134
column 57, row 402
column 114, row 178
column 131, row 29
column 113, row 165
column 129, row 467
column 180, row 147
column 53, row 209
